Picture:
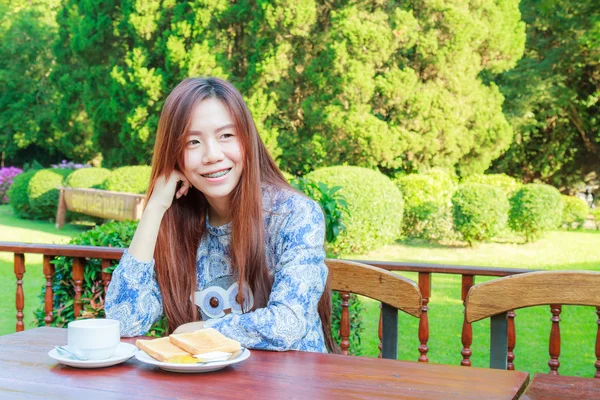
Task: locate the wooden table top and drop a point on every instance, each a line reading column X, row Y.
column 27, row 371
column 550, row 387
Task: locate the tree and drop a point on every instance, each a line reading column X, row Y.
column 552, row 96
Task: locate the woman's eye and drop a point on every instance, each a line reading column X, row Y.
column 193, row 142
column 227, row 135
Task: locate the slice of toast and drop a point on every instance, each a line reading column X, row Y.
column 163, row 350
column 204, row 341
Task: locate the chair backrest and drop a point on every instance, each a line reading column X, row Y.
column 395, row 293
column 495, row 298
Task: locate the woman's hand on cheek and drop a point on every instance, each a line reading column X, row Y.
column 189, row 327
column 166, row 189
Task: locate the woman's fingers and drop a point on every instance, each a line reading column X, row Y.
column 185, row 186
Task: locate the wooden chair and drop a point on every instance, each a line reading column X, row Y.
column 394, row 292
column 554, row 288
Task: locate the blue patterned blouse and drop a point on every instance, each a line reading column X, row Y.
column 294, row 235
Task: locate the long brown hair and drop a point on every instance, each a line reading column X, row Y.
column 184, row 222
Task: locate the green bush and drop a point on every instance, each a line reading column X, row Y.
column 596, row 214
column 88, row 178
column 575, row 210
column 289, row 177
column 535, row 209
column 17, row 194
column 133, row 179
column 43, row 191
column 427, row 199
column 507, row 184
column 113, row 234
column 375, row 205
column 480, row 211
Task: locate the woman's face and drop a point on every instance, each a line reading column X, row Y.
column 213, row 157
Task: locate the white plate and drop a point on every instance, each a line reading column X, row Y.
column 123, row 353
column 191, row 368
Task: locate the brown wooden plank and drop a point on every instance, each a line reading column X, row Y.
column 536, row 288
column 550, row 387
column 104, row 204
column 376, row 283
column 298, row 375
column 111, row 253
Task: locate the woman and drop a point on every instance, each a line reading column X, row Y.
column 223, row 237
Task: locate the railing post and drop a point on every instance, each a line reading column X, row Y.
column 345, row 324
column 49, row 296
column 380, row 331
column 20, row 297
column 512, row 340
column 78, row 272
column 467, row 330
column 425, row 287
column 555, row 339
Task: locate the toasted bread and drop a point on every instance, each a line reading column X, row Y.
column 204, row 341
column 163, row 350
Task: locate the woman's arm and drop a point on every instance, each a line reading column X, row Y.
column 133, row 297
column 299, row 281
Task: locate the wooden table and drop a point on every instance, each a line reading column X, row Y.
column 26, row 371
column 550, row 387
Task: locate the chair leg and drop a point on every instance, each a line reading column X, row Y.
column 499, row 341
column 389, row 340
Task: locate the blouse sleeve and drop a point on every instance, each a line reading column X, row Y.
column 133, row 297
column 299, row 280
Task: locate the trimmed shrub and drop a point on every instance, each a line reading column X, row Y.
column 7, row 175
column 535, row 209
column 480, row 211
column 88, row 178
column 375, row 205
column 427, row 204
column 17, row 194
column 289, row 177
column 575, row 210
column 596, row 214
column 43, row 192
column 133, row 179
column 507, row 184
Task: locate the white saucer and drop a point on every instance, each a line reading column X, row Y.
column 191, row 368
column 123, row 353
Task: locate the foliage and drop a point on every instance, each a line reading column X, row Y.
column 27, row 95
column 375, row 206
column 393, row 85
column 480, row 211
column 43, row 192
column 332, row 202
column 17, row 194
column 427, row 199
column 133, row 179
column 88, row 178
column 575, row 210
column 553, row 94
column 596, row 214
column 535, row 209
column 7, row 175
column 507, row 184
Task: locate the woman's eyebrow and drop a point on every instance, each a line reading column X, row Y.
column 228, row 126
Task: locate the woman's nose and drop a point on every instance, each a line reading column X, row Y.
column 212, row 153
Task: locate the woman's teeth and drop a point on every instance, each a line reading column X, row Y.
column 217, row 174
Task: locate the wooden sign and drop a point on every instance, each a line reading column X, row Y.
column 99, row 203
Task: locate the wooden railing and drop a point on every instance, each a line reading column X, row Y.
column 468, row 274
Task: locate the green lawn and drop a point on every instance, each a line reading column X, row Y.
column 560, row 250
column 13, row 229
column 572, row 250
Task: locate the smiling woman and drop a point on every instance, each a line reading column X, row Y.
column 222, row 220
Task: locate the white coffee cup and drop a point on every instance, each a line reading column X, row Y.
column 94, row 339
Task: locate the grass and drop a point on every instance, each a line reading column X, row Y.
column 13, row 229
column 560, row 250
column 570, row 250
